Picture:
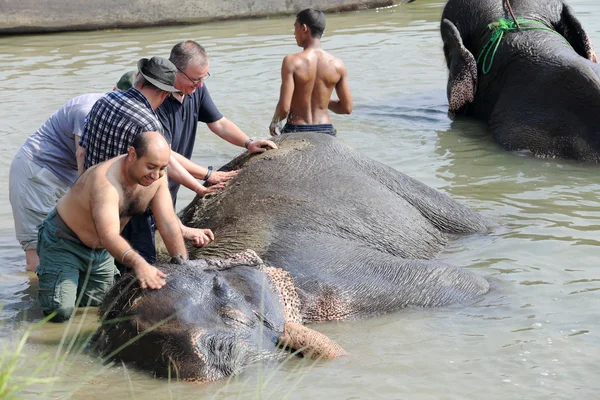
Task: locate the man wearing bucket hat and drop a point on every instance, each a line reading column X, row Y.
column 46, row 166
column 112, row 125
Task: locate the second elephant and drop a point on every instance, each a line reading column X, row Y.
column 537, row 85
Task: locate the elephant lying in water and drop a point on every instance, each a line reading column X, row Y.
column 538, row 88
column 339, row 236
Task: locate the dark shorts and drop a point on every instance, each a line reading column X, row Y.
column 322, row 128
column 70, row 273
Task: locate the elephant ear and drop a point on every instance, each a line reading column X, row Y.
column 572, row 30
column 462, row 67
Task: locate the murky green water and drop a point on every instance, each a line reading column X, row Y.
column 534, row 336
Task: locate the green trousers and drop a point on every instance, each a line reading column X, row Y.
column 70, row 273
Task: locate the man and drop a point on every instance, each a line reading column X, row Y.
column 45, row 167
column 112, row 125
column 180, row 113
column 80, row 237
column 307, row 82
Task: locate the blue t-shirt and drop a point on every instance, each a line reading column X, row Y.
column 53, row 145
column 180, row 123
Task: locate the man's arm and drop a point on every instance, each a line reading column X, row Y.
column 229, row 131
column 80, row 152
column 104, row 205
column 342, row 89
column 198, row 237
column 183, row 177
column 167, row 222
column 285, row 95
column 200, row 172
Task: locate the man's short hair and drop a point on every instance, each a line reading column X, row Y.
column 140, row 144
column 146, row 84
column 186, row 53
column 314, row 19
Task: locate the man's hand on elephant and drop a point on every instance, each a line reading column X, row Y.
column 198, row 237
column 149, row 276
column 221, row 176
column 203, row 190
column 259, row 146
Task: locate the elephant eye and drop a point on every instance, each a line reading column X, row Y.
column 237, row 316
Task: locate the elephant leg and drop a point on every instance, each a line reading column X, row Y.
column 356, row 281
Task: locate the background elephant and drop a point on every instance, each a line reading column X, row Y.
column 335, row 236
column 539, row 89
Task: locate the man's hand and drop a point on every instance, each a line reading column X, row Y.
column 259, row 146
column 198, row 237
column 203, row 190
column 221, row 177
column 275, row 128
column 150, row 277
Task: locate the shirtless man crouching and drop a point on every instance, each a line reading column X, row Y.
column 80, row 237
column 307, row 82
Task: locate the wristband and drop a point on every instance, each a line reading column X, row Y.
column 248, row 142
column 124, row 254
column 210, row 170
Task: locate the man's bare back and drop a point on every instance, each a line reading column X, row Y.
column 308, row 78
column 316, row 73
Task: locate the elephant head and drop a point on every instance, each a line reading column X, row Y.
column 212, row 318
column 464, row 22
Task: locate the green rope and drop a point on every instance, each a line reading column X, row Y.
column 498, row 29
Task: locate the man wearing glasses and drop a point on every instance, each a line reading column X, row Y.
column 181, row 112
column 308, row 79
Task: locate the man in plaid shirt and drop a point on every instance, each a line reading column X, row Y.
column 112, row 125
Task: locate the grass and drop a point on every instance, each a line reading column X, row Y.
column 58, row 374
column 13, row 361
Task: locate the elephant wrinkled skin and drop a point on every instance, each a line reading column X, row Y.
column 539, row 90
column 334, row 236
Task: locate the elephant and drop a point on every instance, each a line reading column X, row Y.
column 536, row 85
column 312, row 231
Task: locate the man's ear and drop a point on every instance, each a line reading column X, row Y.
column 131, row 154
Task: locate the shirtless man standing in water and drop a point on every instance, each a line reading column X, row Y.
column 307, row 82
column 80, row 237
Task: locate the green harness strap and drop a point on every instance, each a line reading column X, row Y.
column 498, row 29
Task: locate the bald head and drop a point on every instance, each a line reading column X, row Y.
column 149, row 142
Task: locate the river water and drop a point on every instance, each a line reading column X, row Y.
column 534, row 336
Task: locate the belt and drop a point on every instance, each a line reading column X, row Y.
column 63, row 231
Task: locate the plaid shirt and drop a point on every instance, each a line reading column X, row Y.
column 112, row 124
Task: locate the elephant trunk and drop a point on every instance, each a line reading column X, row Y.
column 309, row 342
